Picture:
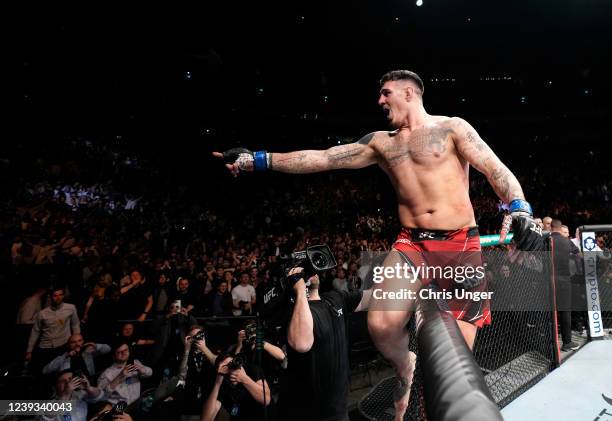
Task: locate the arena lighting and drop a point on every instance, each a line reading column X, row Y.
column 419, row 3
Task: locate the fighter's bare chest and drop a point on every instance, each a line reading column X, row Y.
column 426, row 147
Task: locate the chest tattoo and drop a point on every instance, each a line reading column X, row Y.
column 420, row 144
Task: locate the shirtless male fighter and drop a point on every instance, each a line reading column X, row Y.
column 427, row 159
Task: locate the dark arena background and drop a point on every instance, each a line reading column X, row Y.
column 108, row 178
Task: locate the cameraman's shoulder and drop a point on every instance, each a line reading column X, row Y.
column 345, row 299
column 352, row 299
column 332, row 295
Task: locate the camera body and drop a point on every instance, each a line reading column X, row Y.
column 314, row 260
column 277, row 295
column 200, row 336
column 236, row 363
column 117, row 409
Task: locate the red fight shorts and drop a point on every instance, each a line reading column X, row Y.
column 444, row 258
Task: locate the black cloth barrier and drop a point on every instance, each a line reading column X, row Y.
column 454, row 386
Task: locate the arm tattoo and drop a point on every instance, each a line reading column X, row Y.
column 483, row 162
column 290, row 160
column 353, row 155
column 476, row 141
column 500, row 180
column 338, row 157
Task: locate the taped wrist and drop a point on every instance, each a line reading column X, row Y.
column 260, row 160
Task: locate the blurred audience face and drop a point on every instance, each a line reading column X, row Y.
column 244, row 279
column 62, row 382
column 75, row 342
column 127, row 330
column 222, row 287
column 183, row 285
column 565, row 231
column 162, row 279
column 122, row 354
column 136, row 277
column 546, row 223
column 57, row 298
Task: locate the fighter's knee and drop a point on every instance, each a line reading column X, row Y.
column 385, row 324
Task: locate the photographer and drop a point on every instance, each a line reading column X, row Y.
column 76, row 389
column 246, row 343
column 317, row 378
column 196, row 372
column 241, row 390
column 273, row 358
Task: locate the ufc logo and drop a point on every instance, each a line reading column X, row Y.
column 536, row 228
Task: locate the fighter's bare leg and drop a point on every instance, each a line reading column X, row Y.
column 387, row 321
column 468, row 331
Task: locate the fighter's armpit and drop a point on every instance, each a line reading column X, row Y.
column 366, row 139
column 352, row 155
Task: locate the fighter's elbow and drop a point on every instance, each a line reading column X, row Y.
column 301, row 344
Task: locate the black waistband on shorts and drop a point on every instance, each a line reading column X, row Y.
column 420, row 234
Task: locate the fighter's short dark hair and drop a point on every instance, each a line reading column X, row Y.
column 403, row 75
column 556, row 223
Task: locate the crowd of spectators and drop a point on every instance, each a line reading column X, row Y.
column 131, row 270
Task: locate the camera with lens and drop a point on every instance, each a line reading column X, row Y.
column 117, row 409
column 276, row 297
column 314, row 260
column 236, row 363
column 200, row 336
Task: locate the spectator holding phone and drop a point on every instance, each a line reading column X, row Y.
column 121, row 381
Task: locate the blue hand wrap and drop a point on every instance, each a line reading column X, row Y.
column 520, row 205
column 260, row 161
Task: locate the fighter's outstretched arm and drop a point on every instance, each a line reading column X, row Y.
column 350, row 156
column 471, row 146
